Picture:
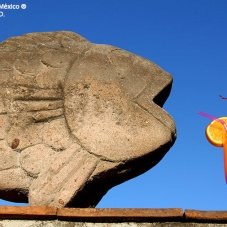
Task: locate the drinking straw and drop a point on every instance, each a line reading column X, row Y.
column 214, row 119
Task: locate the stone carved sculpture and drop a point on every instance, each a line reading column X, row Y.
column 77, row 118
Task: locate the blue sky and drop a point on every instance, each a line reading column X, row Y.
column 186, row 38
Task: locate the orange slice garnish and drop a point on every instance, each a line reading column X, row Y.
column 216, row 130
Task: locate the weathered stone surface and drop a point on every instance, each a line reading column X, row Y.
column 77, row 118
column 31, row 212
column 120, row 215
column 91, row 214
column 88, row 217
column 56, row 223
column 206, row 216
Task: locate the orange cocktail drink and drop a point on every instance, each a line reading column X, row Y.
column 216, row 133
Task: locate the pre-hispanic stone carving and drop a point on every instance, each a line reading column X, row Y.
column 77, row 118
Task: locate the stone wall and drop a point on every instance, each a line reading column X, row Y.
column 87, row 217
column 56, row 223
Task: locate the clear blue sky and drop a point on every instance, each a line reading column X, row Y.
column 188, row 39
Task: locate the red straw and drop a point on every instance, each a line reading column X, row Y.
column 214, row 119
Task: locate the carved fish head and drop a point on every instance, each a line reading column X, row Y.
column 65, row 100
column 112, row 100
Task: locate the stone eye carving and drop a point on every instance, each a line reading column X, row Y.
column 77, row 118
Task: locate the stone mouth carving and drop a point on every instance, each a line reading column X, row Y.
column 77, row 118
